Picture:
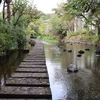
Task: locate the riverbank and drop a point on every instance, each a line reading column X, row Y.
column 81, row 39
column 47, row 39
column 80, row 42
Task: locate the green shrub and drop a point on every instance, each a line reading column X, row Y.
column 11, row 38
column 7, row 43
column 19, row 35
column 73, row 34
column 96, row 39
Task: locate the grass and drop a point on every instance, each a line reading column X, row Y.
column 47, row 39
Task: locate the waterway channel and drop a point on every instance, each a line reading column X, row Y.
column 83, row 85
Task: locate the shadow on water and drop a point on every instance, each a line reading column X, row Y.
column 9, row 63
column 83, row 85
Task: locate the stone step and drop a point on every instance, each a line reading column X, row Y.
column 36, row 57
column 35, row 60
column 36, row 53
column 29, row 75
column 33, row 63
column 32, row 66
column 39, row 56
column 27, row 82
column 31, row 70
column 28, row 91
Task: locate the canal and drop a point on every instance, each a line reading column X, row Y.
column 83, row 85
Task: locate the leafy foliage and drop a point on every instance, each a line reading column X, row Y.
column 51, row 25
column 96, row 39
column 89, row 10
column 13, row 34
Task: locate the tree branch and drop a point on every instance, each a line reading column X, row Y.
column 97, row 16
column 21, row 13
column 87, row 19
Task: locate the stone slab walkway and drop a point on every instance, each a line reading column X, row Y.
column 30, row 80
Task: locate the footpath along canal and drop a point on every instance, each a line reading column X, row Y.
column 30, row 80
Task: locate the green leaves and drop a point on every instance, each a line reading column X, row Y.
column 82, row 6
column 13, row 33
column 7, row 42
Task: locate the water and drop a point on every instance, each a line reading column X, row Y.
column 83, row 85
column 8, row 65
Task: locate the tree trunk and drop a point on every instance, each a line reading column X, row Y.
column 3, row 15
column 96, row 30
column 8, row 12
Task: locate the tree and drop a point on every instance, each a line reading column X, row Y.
column 55, row 27
column 6, row 3
column 87, row 9
column 67, row 19
column 23, row 12
column 14, row 24
column 42, row 27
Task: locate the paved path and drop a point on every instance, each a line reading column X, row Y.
column 30, row 80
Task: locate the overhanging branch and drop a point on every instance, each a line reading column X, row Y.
column 87, row 19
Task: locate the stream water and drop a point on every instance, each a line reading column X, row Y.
column 83, row 85
column 8, row 65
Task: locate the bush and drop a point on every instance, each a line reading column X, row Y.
column 19, row 35
column 73, row 34
column 96, row 39
column 11, row 38
column 7, row 43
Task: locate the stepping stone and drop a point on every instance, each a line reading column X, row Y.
column 33, row 63
column 27, row 82
column 32, row 66
column 32, row 70
column 28, row 60
column 25, row 92
column 30, row 75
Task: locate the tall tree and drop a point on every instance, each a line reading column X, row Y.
column 13, row 25
column 87, row 9
column 8, row 9
column 6, row 3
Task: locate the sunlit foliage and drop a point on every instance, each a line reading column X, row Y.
column 89, row 10
column 13, row 34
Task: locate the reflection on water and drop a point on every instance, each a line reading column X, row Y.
column 8, row 65
column 84, row 85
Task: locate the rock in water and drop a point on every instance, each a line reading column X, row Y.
column 81, row 52
column 72, row 68
column 97, row 51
